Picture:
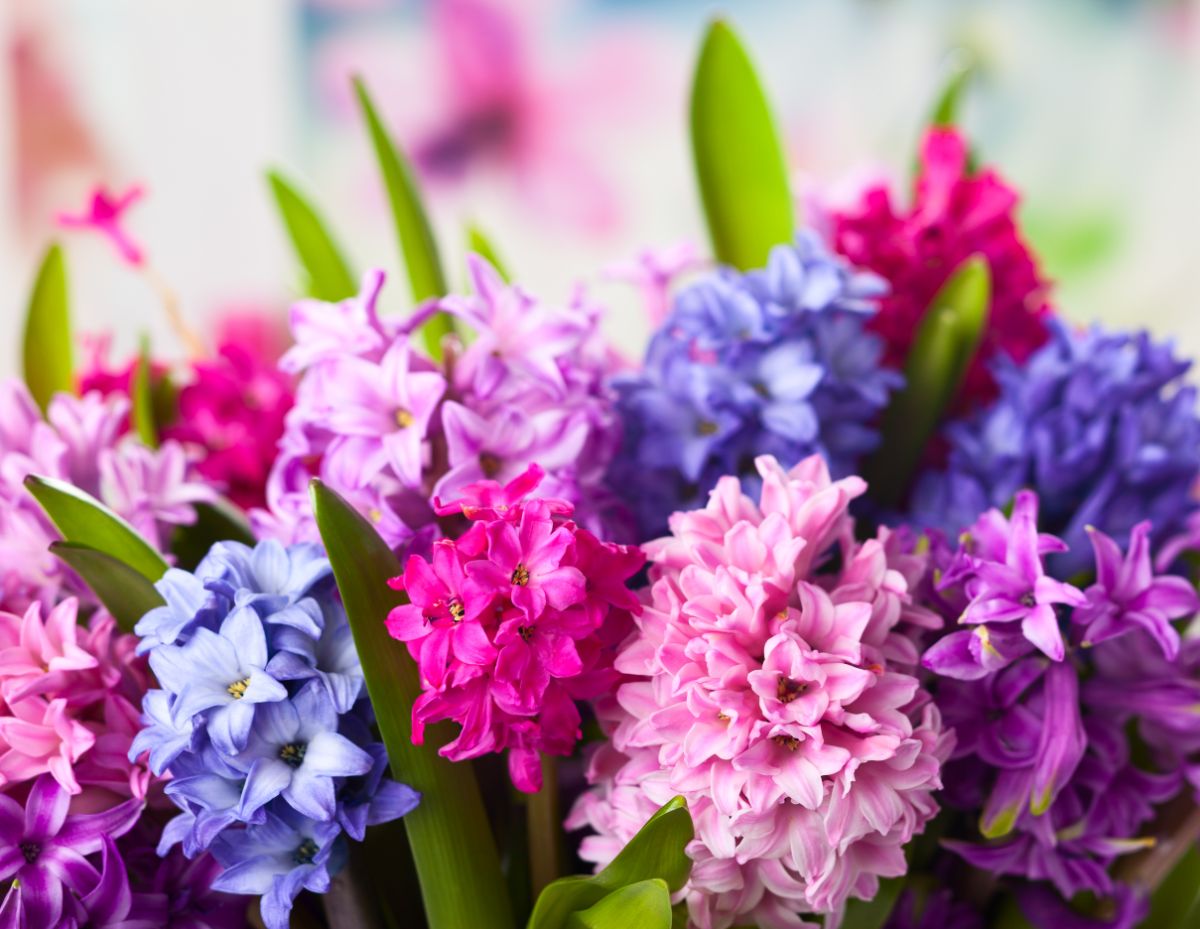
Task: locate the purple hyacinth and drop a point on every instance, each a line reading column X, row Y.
column 261, row 718
column 1099, row 424
column 774, row 361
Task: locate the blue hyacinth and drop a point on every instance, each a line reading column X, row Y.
column 263, row 721
column 774, row 361
column 1099, row 424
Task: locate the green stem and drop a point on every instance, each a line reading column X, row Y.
column 545, row 829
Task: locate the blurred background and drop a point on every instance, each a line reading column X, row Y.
column 559, row 127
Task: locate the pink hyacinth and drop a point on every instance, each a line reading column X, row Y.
column 511, row 623
column 105, row 215
column 955, row 213
column 770, row 683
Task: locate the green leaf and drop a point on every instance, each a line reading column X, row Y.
column 125, row 593
column 481, row 245
column 646, row 905
column 873, row 913
column 215, row 522
column 329, row 276
column 425, row 276
column 945, row 344
column 739, row 160
column 960, row 70
column 141, row 393
column 1176, row 901
column 656, row 852
column 49, row 357
column 449, row 833
column 84, row 519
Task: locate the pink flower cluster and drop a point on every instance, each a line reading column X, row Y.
column 389, row 429
column 80, row 442
column 956, row 212
column 69, row 704
column 772, row 685
column 512, row 622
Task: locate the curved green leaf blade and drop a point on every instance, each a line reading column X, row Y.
column 425, row 276
column 215, row 522
column 1176, row 901
column 959, row 72
column 125, row 593
column 646, row 905
column 84, row 519
column 48, row 358
column 142, row 395
column 449, row 832
column 873, row 913
column 656, row 852
column 945, row 344
column 479, row 243
column 739, row 160
column 328, row 275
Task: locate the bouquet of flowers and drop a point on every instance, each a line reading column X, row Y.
column 865, row 600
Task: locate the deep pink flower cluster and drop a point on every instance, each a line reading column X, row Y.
column 955, row 213
column 773, row 687
column 70, row 698
column 512, row 622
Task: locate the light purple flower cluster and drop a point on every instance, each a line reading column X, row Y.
column 391, row 430
column 80, row 442
column 1044, row 687
column 262, row 721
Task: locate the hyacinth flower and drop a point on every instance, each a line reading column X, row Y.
column 770, row 682
column 388, row 429
column 955, row 213
column 511, row 623
column 262, row 721
column 1044, row 704
column 1101, row 425
column 105, row 215
column 774, row 361
column 81, row 442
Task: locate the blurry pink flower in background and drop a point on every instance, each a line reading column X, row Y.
column 654, row 271
column 104, row 214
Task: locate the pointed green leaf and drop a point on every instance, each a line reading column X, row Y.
column 449, row 833
column 873, row 913
column 141, row 393
column 84, row 519
column 49, row 365
column 1176, row 901
column 125, row 593
column 960, row 70
column 328, row 275
column 215, row 522
column 739, row 160
column 425, row 276
column 646, row 905
column 945, row 344
column 657, row 851
column 481, row 245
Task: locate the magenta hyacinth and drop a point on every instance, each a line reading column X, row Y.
column 770, row 682
column 512, row 622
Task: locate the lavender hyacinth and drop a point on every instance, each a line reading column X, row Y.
column 774, row 361
column 1099, row 424
column 392, row 431
column 263, row 722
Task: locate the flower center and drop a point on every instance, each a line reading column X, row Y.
column 525, row 632
column 1029, row 600
column 237, row 689
column 456, row 609
column 520, row 575
column 404, row 418
column 306, row 852
column 489, row 464
column 788, row 690
column 30, row 850
column 292, row 754
column 706, row 427
column 790, row 742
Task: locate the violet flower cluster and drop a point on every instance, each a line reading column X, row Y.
column 389, row 429
column 1045, row 684
column 512, row 622
column 80, row 442
column 1098, row 423
column 262, row 721
column 774, row 361
column 771, row 683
